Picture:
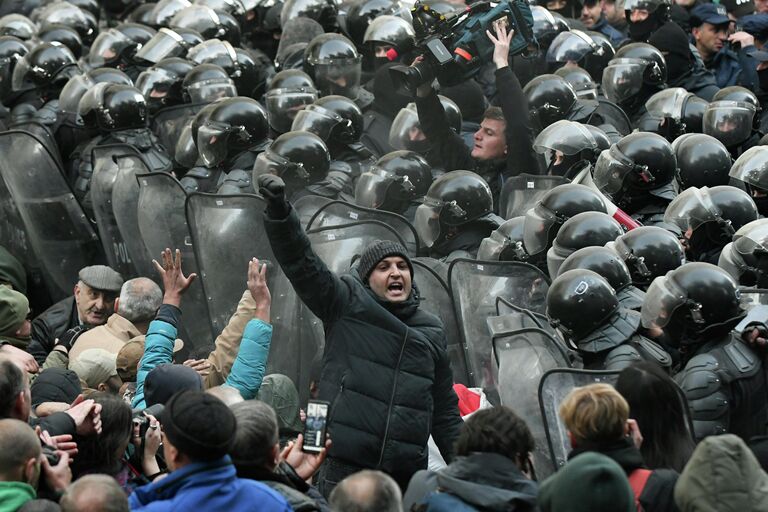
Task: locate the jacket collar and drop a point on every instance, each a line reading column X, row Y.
column 122, row 328
column 211, row 473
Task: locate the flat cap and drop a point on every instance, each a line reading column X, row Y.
column 101, row 277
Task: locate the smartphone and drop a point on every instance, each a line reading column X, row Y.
column 315, row 426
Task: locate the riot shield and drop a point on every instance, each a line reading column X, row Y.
column 59, row 233
column 339, row 246
column 520, row 193
column 340, row 213
column 615, row 116
column 307, row 206
column 751, row 297
column 474, row 288
column 168, row 123
column 44, row 135
column 162, row 224
column 436, row 299
column 125, row 206
column 553, row 387
column 105, row 171
column 227, row 231
column 523, row 355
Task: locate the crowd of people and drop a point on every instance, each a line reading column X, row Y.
column 528, row 276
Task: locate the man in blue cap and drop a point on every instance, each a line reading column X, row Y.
column 728, row 56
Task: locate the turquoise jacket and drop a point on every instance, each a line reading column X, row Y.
column 251, row 364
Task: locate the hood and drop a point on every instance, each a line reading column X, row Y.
column 489, row 481
column 722, row 476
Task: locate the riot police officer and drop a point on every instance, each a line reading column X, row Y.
column 456, row 215
column 608, row 264
column 750, row 169
column 396, row 183
column 387, row 36
column 637, row 71
column 117, row 48
column 672, row 113
column 702, row 161
column 732, row 123
column 697, row 306
column 584, row 229
column 302, row 160
column 505, row 243
column 709, row 217
column 167, row 43
column 569, row 146
column 289, row 92
column 584, row 308
column 589, row 50
column 745, row 259
column 334, row 64
column 649, row 252
column 638, row 174
column 543, row 221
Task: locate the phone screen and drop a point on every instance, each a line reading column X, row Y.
column 314, row 429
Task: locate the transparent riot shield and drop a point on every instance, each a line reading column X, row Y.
column 436, row 299
column 523, row 355
column 474, row 288
column 125, row 206
column 162, row 223
column 227, row 231
column 44, row 135
column 340, row 213
column 58, row 232
column 339, row 246
column 168, row 123
column 105, row 172
column 520, row 193
column 307, row 206
column 553, row 387
column 752, row 297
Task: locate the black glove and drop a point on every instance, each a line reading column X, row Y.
column 272, row 189
column 70, row 337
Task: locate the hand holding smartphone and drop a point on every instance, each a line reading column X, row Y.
column 315, row 426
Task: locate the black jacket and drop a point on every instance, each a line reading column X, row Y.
column 385, row 370
column 487, row 481
column 457, row 156
column 301, row 496
column 659, row 492
column 51, row 324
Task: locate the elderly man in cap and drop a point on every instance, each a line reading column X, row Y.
column 91, row 305
column 385, row 369
column 728, row 55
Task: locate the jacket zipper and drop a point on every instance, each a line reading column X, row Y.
column 392, row 398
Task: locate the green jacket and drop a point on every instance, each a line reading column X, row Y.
column 15, row 494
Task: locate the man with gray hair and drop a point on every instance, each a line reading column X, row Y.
column 94, row 493
column 367, row 491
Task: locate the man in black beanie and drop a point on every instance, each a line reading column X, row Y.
column 198, row 431
column 385, row 369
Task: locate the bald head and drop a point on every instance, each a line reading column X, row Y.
column 140, row 299
column 227, row 394
column 18, row 444
column 367, row 491
column 94, row 493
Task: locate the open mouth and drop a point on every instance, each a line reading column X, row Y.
column 395, row 287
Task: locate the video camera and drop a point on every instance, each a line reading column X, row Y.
column 455, row 45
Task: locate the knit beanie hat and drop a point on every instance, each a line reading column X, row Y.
column 588, row 482
column 199, row 425
column 14, row 308
column 166, row 380
column 55, row 385
column 377, row 251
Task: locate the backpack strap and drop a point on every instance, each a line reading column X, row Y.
column 637, row 480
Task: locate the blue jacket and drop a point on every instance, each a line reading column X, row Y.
column 608, row 31
column 158, row 349
column 207, row 486
column 251, row 363
column 735, row 68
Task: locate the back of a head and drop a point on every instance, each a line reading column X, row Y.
column 596, row 414
column 256, row 434
column 227, row 394
column 12, row 382
column 102, row 453
column 18, row 444
column 495, row 430
column 140, row 299
column 199, row 425
column 658, row 406
column 94, row 493
column 589, row 482
column 367, row 491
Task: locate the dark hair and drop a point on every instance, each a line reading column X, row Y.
column 11, row 384
column 661, row 411
column 494, row 113
column 256, row 434
column 495, row 430
column 98, row 453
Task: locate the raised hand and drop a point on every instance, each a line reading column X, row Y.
column 257, row 285
column 501, row 42
column 174, row 281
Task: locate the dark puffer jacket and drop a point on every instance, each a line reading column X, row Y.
column 385, row 371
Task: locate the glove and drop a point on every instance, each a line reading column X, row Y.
column 272, row 189
column 70, row 337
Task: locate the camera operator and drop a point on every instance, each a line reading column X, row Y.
column 503, row 144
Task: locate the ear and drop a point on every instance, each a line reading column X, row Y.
column 117, row 303
column 30, row 471
column 696, row 31
column 275, row 456
column 101, row 387
column 19, row 406
column 76, row 290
